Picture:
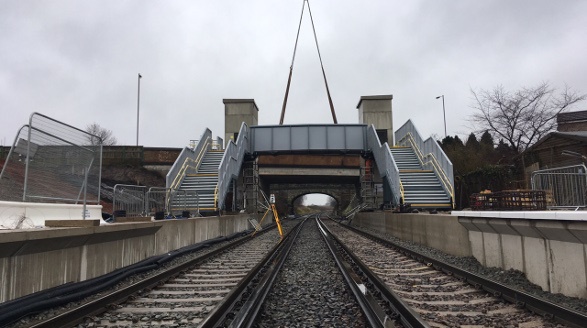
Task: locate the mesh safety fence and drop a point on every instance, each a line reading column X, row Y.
column 51, row 161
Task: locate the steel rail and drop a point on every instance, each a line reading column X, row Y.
column 406, row 315
column 532, row 303
column 247, row 298
column 374, row 315
column 97, row 306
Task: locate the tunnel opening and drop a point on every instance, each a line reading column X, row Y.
column 314, row 203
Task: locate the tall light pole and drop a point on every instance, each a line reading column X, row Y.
column 443, row 113
column 138, row 104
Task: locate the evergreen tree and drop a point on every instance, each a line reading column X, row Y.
column 472, row 142
column 487, row 139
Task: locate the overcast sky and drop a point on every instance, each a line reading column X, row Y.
column 77, row 61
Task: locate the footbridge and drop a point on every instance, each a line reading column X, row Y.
column 346, row 161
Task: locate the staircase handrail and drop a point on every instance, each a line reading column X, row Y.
column 188, row 161
column 435, row 167
column 230, row 165
column 386, row 164
column 430, row 153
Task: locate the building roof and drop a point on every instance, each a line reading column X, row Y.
column 232, row 100
column 575, row 135
column 378, row 97
column 572, row 116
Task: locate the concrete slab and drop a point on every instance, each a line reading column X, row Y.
column 130, row 231
column 512, row 252
column 419, row 230
column 7, row 236
column 492, row 246
column 445, row 233
column 571, row 215
column 477, row 246
column 525, row 228
column 579, row 230
column 6, row 278
column 467, row 222
column 482, row 225
column 555, row 230
column 405, row 227
column 71, row 223
column 33, row 272
column 514, row 215
column 395, row 229
column 502, row 226
column 535, row 261
column 566, row 263
column 125, row 219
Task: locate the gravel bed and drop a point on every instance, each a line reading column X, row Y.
column 512, row 278
column 310, row 291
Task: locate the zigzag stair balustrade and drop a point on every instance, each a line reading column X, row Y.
column 422, row 188
column 199, row 188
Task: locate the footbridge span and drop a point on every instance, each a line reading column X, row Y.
column 351, row 162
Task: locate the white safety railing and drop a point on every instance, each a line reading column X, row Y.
column 189, row 161
column 231, row 163
column 567, row 185
column 129, row 200
column 429, row 153
column 157, row 202
column 386, row 164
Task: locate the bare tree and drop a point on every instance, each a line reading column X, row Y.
column 521, row 117
column 106, row 135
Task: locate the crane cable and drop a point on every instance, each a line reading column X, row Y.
column 321, row 65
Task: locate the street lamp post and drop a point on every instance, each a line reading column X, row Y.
column 138, row 103
column 443, row 113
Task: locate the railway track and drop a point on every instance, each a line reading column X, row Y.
column 443, row 296
column 181, row 296
column 300, row 274
column 319, row 274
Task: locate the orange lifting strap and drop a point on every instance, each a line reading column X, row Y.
column 292, row 63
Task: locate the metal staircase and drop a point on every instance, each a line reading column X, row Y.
column 421, row 188
column 200, row 188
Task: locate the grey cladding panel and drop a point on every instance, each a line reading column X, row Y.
column 317, row 137
column 299, row 135
column 262, row 139
column 355, row 136
column 281, row 139
column 336, row 139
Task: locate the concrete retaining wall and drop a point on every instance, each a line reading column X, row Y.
column 550, row 248
column 33, row 260
column 439, row 231
column 552, row 253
